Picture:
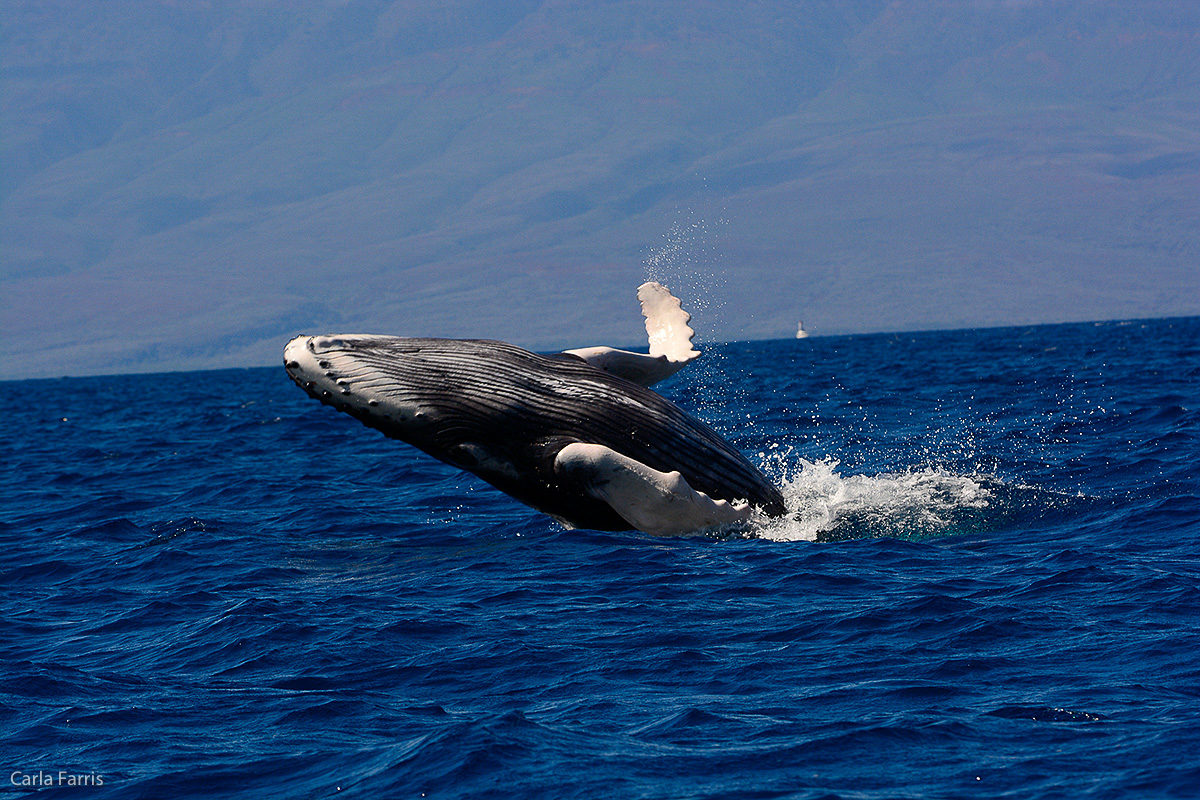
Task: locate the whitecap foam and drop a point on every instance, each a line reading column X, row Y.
column 824, row 505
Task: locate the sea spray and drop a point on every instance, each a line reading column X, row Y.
column 824, row 505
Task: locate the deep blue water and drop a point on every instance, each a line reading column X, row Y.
column 215, row 587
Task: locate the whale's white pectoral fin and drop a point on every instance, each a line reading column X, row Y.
column 636, row 367
column 666, row 323
column 670, row 341
column 653, row 502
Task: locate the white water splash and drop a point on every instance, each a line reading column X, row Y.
column 821, row 503
column 825, row 505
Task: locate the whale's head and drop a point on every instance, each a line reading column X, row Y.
column 487, row 407
column 444, row 396
column 314, row 363
column 373, row 378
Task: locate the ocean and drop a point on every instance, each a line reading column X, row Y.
column 988, row 586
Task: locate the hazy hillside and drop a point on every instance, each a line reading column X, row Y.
column 189, row 183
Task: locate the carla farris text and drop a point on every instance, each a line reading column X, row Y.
column 60, row 778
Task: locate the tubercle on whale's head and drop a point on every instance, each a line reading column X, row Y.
column 325, row 367
column 312, row 360
column 294, row 355
column 306, row 368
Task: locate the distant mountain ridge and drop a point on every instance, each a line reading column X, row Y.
column 188, row 184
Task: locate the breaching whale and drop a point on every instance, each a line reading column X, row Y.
column 577, row 435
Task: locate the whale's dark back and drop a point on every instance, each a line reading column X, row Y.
column 518, row 409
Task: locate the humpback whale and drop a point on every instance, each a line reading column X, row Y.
column 577, row 435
